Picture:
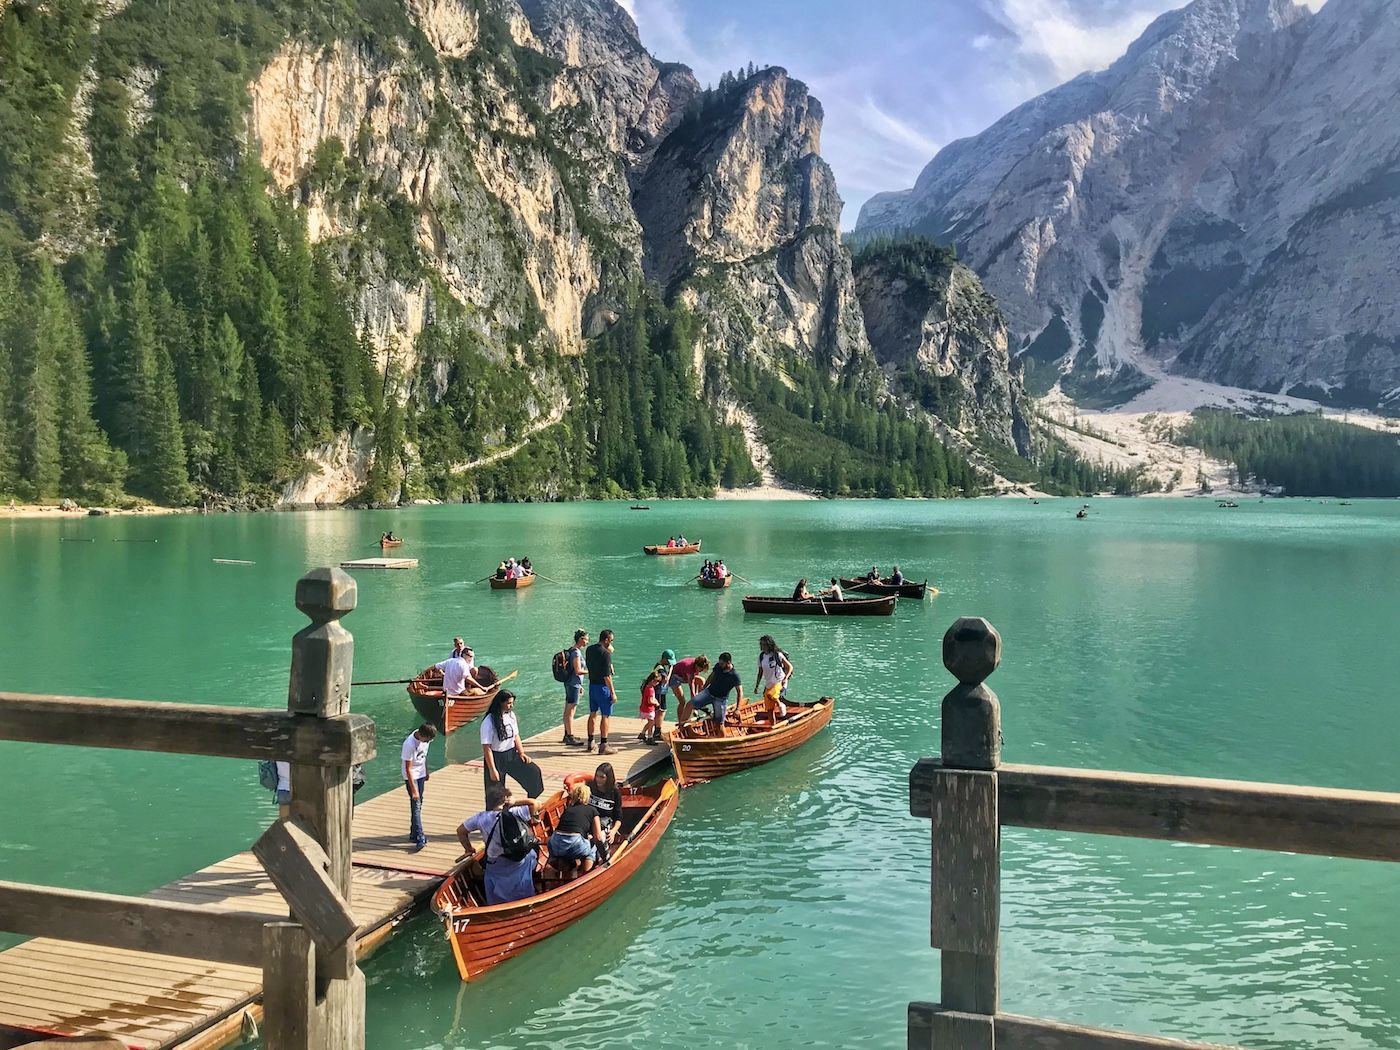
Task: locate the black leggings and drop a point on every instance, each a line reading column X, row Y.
column 526, row 774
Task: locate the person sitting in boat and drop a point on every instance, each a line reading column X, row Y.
column 714, row 698
column 506, row 880
column 456, row 672
column 873, row 576
column 525, row 567
column 671, row 542
column 607, row 800
column 800, row 593
column 834, row 591
column 721, row 570
column 896, row 577
column 501, row 571
column 680, row 540
column 576, row 832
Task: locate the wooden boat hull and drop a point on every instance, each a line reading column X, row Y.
column 749, row 741
column 432, row 706
column 484, row 936
column 663, row 550
column 715, row 585
column 883, row 606
column 512, row 585
column 902, row 590
column 389, row 545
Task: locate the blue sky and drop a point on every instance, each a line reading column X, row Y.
column 898, row 78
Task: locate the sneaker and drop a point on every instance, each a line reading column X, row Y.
column 590, row 747
column 571, row 741
column 419, row 846
column 606, row 749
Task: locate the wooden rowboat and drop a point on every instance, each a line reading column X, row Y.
column 483, row 936
column 451, row 713
column 820, row 607
column 903, row 590
column 390, row 544
column 689, row 548
column 527, row 580
column 715, row 585
column 749, row 739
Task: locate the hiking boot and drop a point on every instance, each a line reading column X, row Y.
column 571, row 741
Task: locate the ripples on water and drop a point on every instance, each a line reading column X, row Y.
column 788, row 907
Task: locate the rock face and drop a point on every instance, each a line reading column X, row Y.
column 740, row 214
column 1223, row 202
column 927, row 315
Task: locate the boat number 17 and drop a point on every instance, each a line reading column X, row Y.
column 459, row 924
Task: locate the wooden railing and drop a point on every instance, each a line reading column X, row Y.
column 313, row 993
column 969, row 795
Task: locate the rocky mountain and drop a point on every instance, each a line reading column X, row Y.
column 444, row 249
column 1221, row 202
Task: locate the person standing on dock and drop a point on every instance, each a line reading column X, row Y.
column 501, row 748
column 573, row 685
column 598, row 658
column 415, row 779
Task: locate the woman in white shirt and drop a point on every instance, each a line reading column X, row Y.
column 501, row 749
column 774, row 670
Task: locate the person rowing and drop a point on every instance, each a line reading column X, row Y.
column 873, row 576
column 896, row 577
column 834, row 591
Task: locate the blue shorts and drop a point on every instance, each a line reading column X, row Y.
column 571, row 847
column 572, row 693
column 600, row 700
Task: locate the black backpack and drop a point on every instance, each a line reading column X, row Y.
column 561, row 665
column 516, row 838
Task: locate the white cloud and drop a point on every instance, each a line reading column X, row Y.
column 662, row 25
column 1053, row 31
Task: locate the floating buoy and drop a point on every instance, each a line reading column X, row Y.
column 232, row 561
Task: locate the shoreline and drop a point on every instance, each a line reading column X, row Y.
column 55, row 512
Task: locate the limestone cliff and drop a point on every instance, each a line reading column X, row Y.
column 942, row 340
column 1220, row 202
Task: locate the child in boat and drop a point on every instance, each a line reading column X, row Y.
column 506, row 880
column 578, row 828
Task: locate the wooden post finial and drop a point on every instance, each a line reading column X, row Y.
column 971, row 650
column 322, row 651
column 971, row 712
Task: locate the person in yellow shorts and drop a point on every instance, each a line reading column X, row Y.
column 774, row 672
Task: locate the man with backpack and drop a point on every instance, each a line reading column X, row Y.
column 568, row 668
column 512, row 850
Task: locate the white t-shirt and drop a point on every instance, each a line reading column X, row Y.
column 771, row 666
column 500, row 743
column 284, row 776
column 836, row 592
column 454, row 675
column 415, row 753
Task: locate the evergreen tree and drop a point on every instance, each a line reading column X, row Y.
column 9, row 287
column 35, row 383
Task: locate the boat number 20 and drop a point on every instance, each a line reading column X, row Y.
column 685, row 747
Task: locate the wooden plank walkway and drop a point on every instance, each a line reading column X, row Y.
column 152, row 1002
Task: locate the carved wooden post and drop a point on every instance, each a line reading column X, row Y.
column 330, row 1015
column 966, row 861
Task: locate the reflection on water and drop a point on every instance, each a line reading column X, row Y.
column 788, row 906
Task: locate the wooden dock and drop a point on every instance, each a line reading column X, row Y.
column 151, row 1002
column 380, row 563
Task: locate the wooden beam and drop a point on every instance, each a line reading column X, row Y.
column 1331, row 822
column 298, row 865
column 931, row 1027
column 966, row 870
column 289, row 988
column 188, row 729
column 167, row 928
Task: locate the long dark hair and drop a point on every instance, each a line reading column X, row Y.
column 605, row 774
column 497, row 712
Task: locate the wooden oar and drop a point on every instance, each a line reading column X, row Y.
column 387, row 681
column 543, row 577
column 738, row 577
column 484, row 578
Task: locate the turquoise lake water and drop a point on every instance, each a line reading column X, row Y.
column 788, row 906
